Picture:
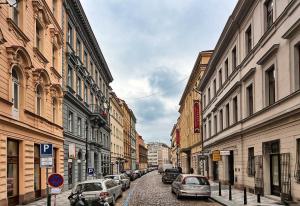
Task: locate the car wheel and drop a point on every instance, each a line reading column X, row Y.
column 178, row 196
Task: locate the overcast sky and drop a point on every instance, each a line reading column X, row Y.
column 150, row 47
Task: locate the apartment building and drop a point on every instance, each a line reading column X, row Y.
column 189, row 123
column 126, row 135
column 158, row 154
column 141, row 153
column 250, row 98
column 117, row 136
column 30, row 97
column 86, row 84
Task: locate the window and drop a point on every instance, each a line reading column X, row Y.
column 208, row 94
column 235, row 109
column 85, row 94
column 79, row 126
column 92, row 98
column 220, row 78
column 297, row 66
column 234, row 58
column 249, row 98
column 251, row 164
column 215, row 124
column 38, row 100
column 221, row 120
column 78, row 86
column 54, row 110
column 248, row 35
column 16, row 13
column 85, row 59
column 297, row 172
column 269, row 13
column 54, row 5
column 70, row 121
column 12, row 168
column 270, row 86
column 215, row 87
column 96, row 77
column 15, row 87
column 70, row 76
column 39, row 37
column 54, row 56
column 209, row 128
column 204, row 100
column 70, row 35
column 227, row 115
column 91, row 68
column 78, row 48
column 226, row 69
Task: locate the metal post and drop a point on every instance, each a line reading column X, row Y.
column 245, row 196
column 220, row 191
column 48, row 192
column 258, row 197
column 230, row 195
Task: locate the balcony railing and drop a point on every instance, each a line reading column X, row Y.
column 98, row 110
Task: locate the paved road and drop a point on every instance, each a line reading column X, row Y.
column 149, row 190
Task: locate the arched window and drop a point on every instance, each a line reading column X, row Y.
column 39, row 94
column 15, row 88
column 54, row 109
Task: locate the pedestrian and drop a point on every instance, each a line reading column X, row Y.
column 192, row 170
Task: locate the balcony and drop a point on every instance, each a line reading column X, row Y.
column 98, row 114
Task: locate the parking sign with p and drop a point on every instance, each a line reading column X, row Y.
column 46, row 150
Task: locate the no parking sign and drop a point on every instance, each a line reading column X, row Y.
column 55, row 180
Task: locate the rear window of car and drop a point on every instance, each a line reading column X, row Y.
column 171, row 171
column 196, row 181
column 112, row 177
column 89, row 187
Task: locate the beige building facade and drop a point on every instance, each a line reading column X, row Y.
column 30, row 97
column 190, row 140
column 117, row 136
column 250, row 98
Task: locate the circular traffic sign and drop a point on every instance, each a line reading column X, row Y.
column 55, row 180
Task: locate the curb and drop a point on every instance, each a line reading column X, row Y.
column 221, row 203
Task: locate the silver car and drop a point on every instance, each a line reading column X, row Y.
column 120, row 179
column 191, row 185
column 105, row 188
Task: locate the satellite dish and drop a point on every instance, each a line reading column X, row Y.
column 12, row 2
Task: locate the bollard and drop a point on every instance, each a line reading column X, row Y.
column 245, row 196
column 220, row 192
column 258, row 198
column 230, row 195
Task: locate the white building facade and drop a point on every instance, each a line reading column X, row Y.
column 251, row 99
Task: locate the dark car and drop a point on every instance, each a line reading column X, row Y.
column 170, row 175
column 130, row 174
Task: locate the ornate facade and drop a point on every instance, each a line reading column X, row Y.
column 30, row 97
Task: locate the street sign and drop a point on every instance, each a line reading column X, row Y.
column 224, row 152
column 91, row 171
column 55, row 180
column 46, row 162
column 216, row 155
column 55, row 190
column 46, row 150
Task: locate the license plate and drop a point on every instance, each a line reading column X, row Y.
column 89, row 196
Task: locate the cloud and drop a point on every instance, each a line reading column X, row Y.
column 150, row 46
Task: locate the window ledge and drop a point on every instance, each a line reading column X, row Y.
column 40, row 56
column 6, row 101
column 18, row 32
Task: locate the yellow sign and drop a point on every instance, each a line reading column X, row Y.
column 216, row 155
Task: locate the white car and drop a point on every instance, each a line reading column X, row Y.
column 105, row 188
column 120, row 179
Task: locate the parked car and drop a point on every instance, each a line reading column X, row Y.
column 130, row 174
column 170, row 175
column 191, row 185
column 120, row 179
column 107, row 189
column 138, row 173
column 162, row 168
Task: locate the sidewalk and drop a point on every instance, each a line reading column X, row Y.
column 238, row 197
column 61, row 200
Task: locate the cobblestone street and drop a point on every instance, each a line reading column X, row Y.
column 149, row 190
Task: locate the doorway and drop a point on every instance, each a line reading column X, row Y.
column 13, row 172
column 70, row 173
column 275, row 168
column 37, row 172
column 215, row 171
column 231, row 168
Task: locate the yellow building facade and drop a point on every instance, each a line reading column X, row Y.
column 190, row 142
column 30, row 97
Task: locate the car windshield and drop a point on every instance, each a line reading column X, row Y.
column 88, row 187
column 196, row 181
column 171, row 171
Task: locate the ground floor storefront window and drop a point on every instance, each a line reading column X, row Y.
column 12, row 172
column 37, row 171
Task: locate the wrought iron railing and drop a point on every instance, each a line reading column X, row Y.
column 97, row 109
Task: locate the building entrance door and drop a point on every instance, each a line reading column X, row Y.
column 37, row 172
column 70, row 173
column 215, row 171
column 12, row 172
column 275, row 174
column 231, row 168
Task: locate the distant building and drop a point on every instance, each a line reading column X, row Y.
column 158, row 154
column 141, row 153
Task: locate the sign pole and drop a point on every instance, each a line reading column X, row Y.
column 48, row 193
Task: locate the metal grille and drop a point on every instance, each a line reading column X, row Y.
column 258, row 175
column 285, row 177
